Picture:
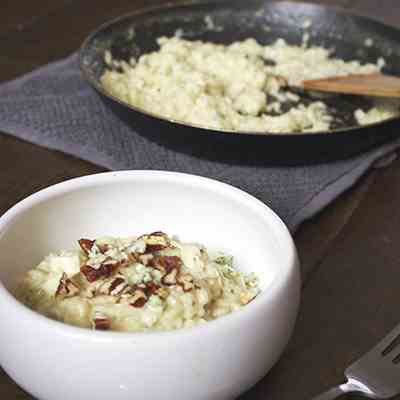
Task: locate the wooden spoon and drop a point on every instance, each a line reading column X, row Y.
column 367, row 85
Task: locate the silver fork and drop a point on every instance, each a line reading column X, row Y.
column 376, row 375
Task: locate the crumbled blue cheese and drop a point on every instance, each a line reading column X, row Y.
column 137, row 273
column 138, row 246
column 154, row 301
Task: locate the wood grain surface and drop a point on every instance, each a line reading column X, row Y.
column 350, row 253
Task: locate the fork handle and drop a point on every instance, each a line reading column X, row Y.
column 336, row 392
column 330, row 394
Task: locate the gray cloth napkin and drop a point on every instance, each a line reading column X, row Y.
column 55, row 108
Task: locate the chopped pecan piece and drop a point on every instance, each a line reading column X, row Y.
column 151, row 288
column 139, row 303
column 117, row 286
column 170, row 278
column 128, row 291
column 126, row 295
column 166, row 263
column 145, row 259
column 101, row 322
column 105, row 270
column 139, row 299
column 155, row 241
column 109, row 265
column 152, row 248
column 186, row 282
column 103, row 247
column 158, row 233
column 66, row 287
column 131, row 258
column 86, row 245
column 91, row 274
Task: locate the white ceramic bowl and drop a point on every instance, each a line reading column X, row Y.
column 215, row 361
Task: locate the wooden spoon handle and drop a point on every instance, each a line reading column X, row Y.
column 368, row 85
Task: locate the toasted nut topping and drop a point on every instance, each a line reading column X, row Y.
column 105, row 270
column 158, row 233
column 132, row 258
column 128, row 291
column 110, row 263
column 170, row 278
column 90, row 273
column 139, row 299
column 113, row 287
column 66, row 287
column 152, row 248
column 86, row 245
column 101, row 322
column 117, row 286
column 155, row 241
column 165, row 263
column 186, row 282
column 103, row 248
column 151, row 288
column 139, row 303
column 145, row 259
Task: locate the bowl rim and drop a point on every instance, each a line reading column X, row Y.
column 203, row 129
column 290, row 262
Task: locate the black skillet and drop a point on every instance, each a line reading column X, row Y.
column 232, row 20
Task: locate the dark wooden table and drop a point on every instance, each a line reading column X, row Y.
column 350, row 252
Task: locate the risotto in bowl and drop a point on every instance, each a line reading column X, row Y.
column 146, row 284
column 150, row 282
